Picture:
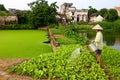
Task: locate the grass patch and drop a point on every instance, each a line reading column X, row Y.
column 23, row 43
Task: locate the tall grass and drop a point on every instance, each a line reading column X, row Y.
column 23, row 43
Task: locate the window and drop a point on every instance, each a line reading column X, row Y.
column 72, row 13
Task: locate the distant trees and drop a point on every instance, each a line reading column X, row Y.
column 2, row 8
column 112, row 15
column 91, row 11
column 103, row 12
column 43, row 14
column 107, row 14
column 23, row 17
column 3, row 11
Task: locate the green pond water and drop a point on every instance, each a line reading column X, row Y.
column 111, row 38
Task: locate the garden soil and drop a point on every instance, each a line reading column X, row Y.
column 5, row 63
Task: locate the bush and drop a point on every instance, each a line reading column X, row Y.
column 66, row 41
column 53, row 26
column 71, row 36
column 109, row 25
column 118, row 23
column 81, row 27
column 17, row 26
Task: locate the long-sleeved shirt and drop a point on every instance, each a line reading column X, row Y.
column 99, row 40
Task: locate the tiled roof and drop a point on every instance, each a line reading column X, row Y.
column 67, row 4
column 118, row 8
column 82, row 10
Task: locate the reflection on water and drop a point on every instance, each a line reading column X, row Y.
column 111, row 38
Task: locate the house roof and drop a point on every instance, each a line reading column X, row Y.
column 99, row 18
column 93, row 15
column 67, row 4
column 72, row 8
column 82, row 10
column 118, row 8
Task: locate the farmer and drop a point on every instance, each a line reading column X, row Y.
column 98, row 42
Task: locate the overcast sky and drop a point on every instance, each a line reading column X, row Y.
column 79, row 4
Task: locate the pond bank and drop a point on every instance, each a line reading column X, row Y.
column 111, row 37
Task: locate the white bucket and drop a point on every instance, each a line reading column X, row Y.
column 92, row 47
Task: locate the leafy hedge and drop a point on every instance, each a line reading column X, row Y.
column 66, row 41
column 80, row 27
column 17, row 26
column 109, row 25
column 72, row 37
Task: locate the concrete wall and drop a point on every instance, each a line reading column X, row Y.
column 79, row 14
column 8, row 20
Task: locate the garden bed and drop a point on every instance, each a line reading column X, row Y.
column 5, row 63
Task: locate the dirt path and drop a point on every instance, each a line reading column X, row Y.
column 5, row 63
column 59, row 36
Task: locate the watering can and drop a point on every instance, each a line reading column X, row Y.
column 92, row 47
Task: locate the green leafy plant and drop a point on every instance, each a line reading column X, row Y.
column 58, row 65
column 110, row 57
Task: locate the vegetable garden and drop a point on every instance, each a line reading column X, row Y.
column 59, row 65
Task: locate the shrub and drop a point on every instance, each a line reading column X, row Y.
column 109, row 25
column 17, row 26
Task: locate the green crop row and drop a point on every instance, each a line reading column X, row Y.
column 71, row 37
column 67, row 63
column 66, row 41
column 111, row 58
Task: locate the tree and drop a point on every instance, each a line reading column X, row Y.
column 108, row 14
column 43, row 14
column 91, row 11
column 3, row 11
column 112, row 15
column 2, row 8
column 103, row 12
column 23, row 17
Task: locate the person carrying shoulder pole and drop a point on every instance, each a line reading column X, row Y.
column 98, row 42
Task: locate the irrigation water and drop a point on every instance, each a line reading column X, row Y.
column 74, row 55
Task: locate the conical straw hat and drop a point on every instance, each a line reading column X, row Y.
column 97, row 27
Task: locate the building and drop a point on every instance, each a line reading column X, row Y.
column 8, row 20
column 12, row 11
column 71, row 12
column 99, row 18
column 94, row 18
column 118, row 10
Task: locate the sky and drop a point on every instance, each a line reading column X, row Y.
column 79, row 4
